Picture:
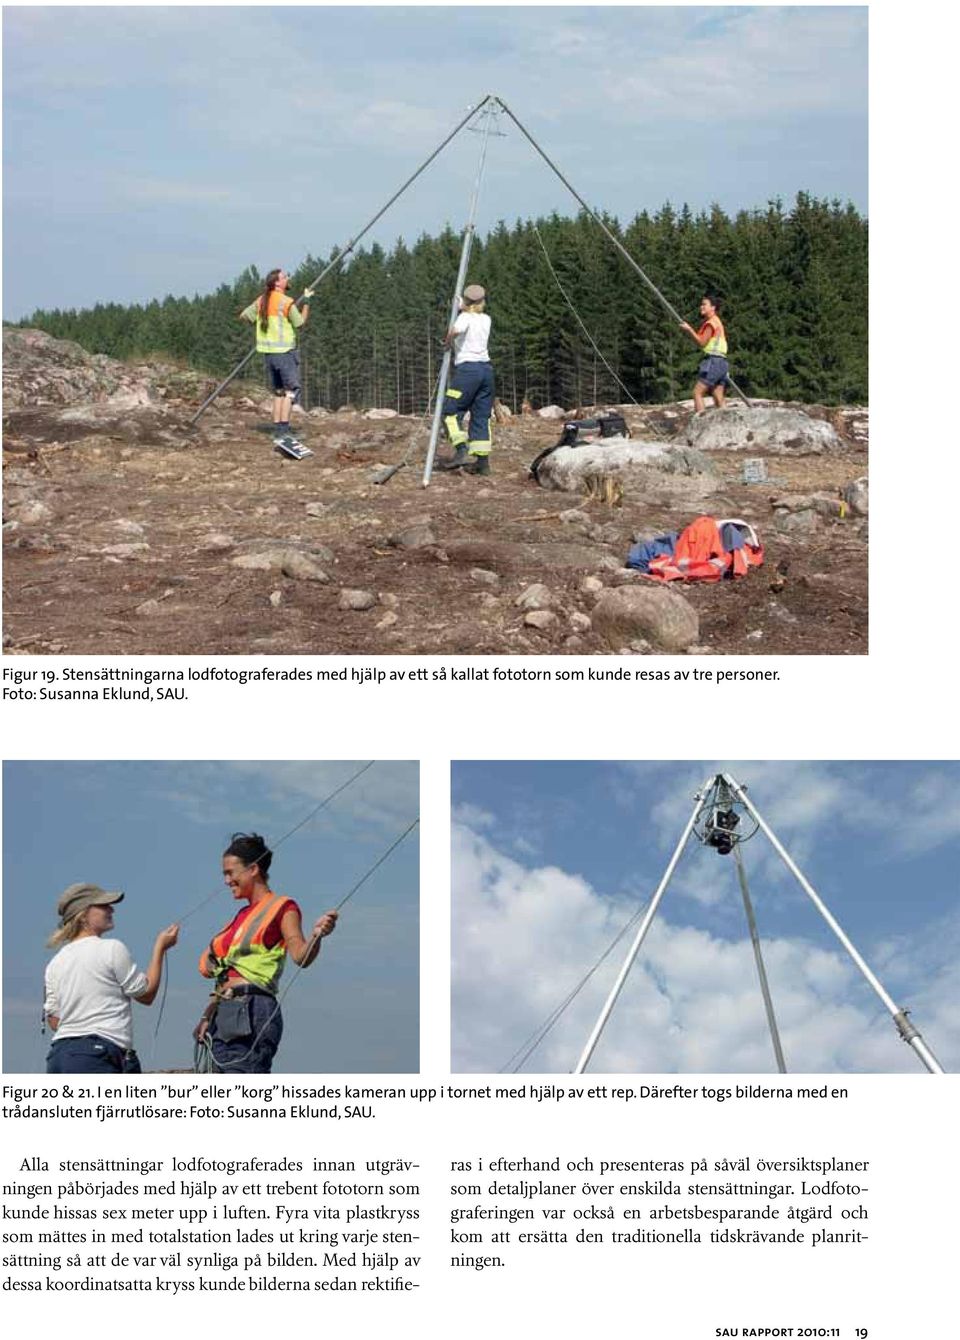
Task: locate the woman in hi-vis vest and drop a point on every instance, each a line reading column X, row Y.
column 278, row 318
column 242, row 1025
column 713, row 374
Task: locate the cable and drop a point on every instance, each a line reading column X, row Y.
column 210, row 897
column 534, row 1039
column 581, row 324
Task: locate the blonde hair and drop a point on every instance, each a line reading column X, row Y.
column 67, row 932
column 474, row 306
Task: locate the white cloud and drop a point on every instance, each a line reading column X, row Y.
column 523, row 938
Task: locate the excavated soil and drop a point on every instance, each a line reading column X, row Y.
column 122, row 530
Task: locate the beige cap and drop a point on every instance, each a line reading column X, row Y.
column 474, row 293
column 78, row 897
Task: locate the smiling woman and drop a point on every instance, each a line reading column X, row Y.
column 242, row 1025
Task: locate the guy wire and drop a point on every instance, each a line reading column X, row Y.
column 533, row 1041
column 216, row 893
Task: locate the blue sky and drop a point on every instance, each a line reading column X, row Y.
column 157, row 831
column 154, row 150
column 551, row 859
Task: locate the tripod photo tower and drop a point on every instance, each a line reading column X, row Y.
column 721, row 813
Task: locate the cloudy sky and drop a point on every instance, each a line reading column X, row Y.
column 551, row 860
column 164, row 149
column 157, row 831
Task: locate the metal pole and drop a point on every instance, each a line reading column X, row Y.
column 341, row 256
column 904, row 1027
column 638, row 941
column 613, row 238
column 758, row 956
column 458, row 290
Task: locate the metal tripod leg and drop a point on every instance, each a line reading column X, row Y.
column 342, row 255
column 906, row 1030
column 758, row 956
column 637, row 942
column 458, row 290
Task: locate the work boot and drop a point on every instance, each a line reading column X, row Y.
column 460, row 458
column 480, row 466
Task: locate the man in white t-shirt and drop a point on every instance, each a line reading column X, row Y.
column 91, row 983
column 471, row 388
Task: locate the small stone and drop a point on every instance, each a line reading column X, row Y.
column 540, row 618
column 302, row 567
column 418, row 536
column 316, row 509
column 381, row 414
column 262, row 562
column 591, row 586
column 581, row 623
column 126, row 527
column 124, row 550
column 276, row 597
column 356, row 600
column 488, row 599
column 755, row 636
column 573, row 643
column 388, row 599
column 535, row 597
column 148, row 608
column 552, row 412
column 389, row 619
column 216, row 541
column 485, row 576
column 32, row 512
column 695, row 649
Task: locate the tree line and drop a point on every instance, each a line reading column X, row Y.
column 792, row 284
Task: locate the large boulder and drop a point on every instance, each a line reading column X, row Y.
column 570, row 468
column 656, row 613
column 777, row 429
column 39, row 370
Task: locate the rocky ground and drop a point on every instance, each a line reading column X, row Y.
column 128, row 532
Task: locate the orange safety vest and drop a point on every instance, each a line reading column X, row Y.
column 280, row 335
column 242, row 947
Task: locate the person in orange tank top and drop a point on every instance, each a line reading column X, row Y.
column 243, row 1024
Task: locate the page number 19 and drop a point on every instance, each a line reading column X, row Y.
column 861, row 1333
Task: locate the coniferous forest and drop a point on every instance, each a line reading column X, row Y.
column 792, row 284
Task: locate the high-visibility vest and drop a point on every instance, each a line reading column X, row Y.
column 717, row 344
column 242, row 947
column 280, row 335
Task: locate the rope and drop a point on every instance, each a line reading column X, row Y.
column 342, row 255
column 203, row 1051
column 612, row 237
column 582, row 325
column 534, row 1040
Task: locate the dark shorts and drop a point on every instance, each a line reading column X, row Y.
column 249, row 1044
column 714, row 371
column 284, row 371
column 91, row 1055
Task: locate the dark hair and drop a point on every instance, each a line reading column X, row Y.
column 269, row 284
column 252, row 850
column 713, row 299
